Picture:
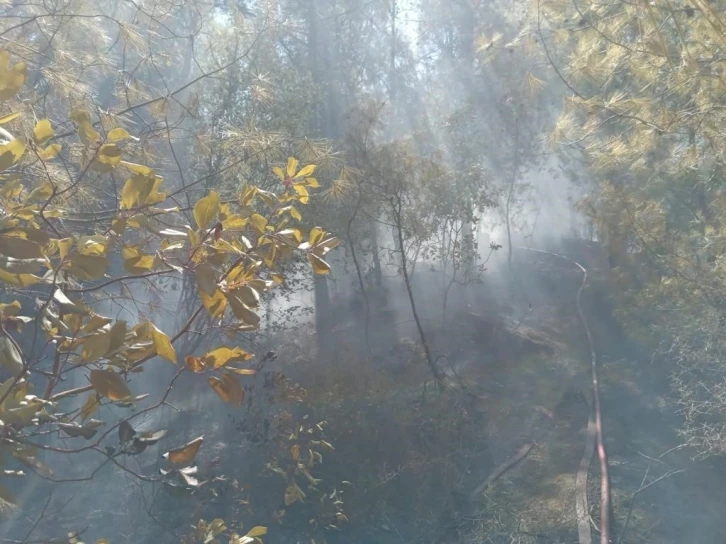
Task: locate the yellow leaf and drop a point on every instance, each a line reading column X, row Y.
column 291, row 237
column 50, row 152
column 11, row 77
column 227, row 388
column 234, row 223
column 319, row 265
column 90, row 406
column 162, row 344
column 223, row 356
column 137, row 262
column 18, row 280
column 110, row 385
column 136, row 191
column 292, row 163
column 316, row 235
column 293, row 494
column 139, row 169
column 108, row 157
column 43, row 132
column 295, row 451
column 295, row 214
column 11, row 152
column 215, row 303
column 303, row 194
column 277, row 278
column 9, row 117
column 117, row 134
column 312, row 182
column 279, row 173
column 257, row 531
column 206, row 209
column 185, row 454
column 306, row 172
column 41, row 194
column 258, row 223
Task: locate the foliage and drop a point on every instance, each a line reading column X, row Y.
column 645, row 113
column 53, row 335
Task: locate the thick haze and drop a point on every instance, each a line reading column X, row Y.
column 479, row 363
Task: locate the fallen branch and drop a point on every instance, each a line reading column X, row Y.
column 501, row 469
column 521, row 454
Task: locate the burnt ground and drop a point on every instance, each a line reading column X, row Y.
column 517, row 363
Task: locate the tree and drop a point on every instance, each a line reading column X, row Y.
column 52, row 332
column 644, row 112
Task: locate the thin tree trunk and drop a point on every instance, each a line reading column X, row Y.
column 438, row 376
column 510, row 194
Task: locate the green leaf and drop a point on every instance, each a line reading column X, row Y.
column 248, row 295
column 206, row 277
column 87, row 267
column 96, row 346
column 10, row 357
column 87, row 431
column 90, row 406
column 319, row 265
column 206, row 209
column 242, row 312
column 110, row 385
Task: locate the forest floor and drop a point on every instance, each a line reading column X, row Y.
column 415, row 460
column 522, row 357
column 661, row 495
